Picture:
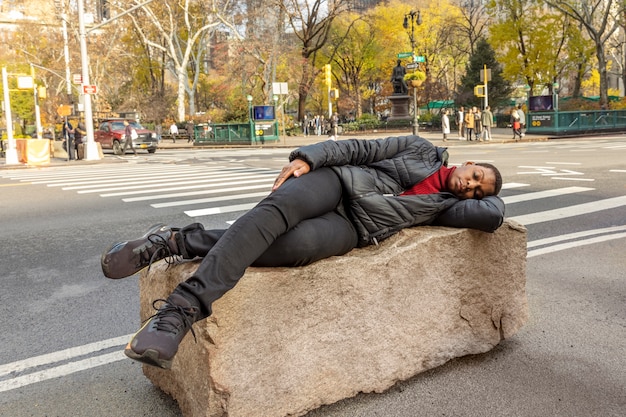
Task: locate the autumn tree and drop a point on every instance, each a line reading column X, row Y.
column 600, row 19
column 537, row 46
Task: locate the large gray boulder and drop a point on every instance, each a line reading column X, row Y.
column 285, row 341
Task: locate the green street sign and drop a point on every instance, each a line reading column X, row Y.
column 420, row 58
column 405, row 55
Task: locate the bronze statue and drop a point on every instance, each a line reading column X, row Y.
column 397, row 79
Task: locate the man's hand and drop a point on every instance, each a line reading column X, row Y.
column 297, row 167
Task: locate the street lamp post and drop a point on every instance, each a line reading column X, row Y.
column 555, row 91
column 415, row 19
column 250, row 118
column 91, row 148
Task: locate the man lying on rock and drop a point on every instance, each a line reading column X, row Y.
column 331, row 198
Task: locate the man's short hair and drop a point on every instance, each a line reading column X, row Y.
column 496, row 172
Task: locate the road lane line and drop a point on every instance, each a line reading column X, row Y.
column 573, row 179
column 570, row 245
column 510, row 185
column 220, row 210
column 196, row 184
column 61, row 370
column 136, row 185
column 571, row 211
column 575, row 235
column 544, row 194
column 267, row 186
column 64, row 354
column 210, row 200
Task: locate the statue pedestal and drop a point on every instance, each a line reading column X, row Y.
column 399, row 107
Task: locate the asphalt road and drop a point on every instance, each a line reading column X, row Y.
column 64, row 324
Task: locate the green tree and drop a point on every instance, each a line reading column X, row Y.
column 499, row 89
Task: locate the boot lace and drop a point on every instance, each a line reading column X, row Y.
column 157, row 249
column 168, row 310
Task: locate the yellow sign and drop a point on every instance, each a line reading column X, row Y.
column 64, row 110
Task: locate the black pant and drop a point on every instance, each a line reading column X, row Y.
column 69, row 144
column 296, row 225
column 128, row 143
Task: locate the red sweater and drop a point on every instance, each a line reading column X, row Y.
column 433, row 184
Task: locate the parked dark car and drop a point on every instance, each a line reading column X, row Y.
column 110, row 135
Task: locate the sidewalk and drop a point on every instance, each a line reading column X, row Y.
column 499, row 135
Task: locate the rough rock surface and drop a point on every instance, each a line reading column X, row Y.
column 286, row 340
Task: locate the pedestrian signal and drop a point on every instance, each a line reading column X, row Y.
column 334, row 94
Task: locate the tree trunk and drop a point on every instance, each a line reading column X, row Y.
column 604, row 91
column 180, row 101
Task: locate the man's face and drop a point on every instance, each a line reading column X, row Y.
column 472, row 181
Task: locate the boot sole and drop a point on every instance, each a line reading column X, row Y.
column 149, row 357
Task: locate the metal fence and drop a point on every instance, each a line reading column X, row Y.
column 232, row 133
column 573, row 122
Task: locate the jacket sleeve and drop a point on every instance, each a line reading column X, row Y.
column 354, row 151
column 486, row 214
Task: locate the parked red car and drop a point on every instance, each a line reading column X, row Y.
column 110, row 135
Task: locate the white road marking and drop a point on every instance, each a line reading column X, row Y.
column 544, row 194
column 575, row 235
column 570, row 245
column 61, row 370
column 210, row 200
column 571, row 211
column 196, row 185
column 220, row 210
column 573, row 179
column 60, row 355
column 511, row 185
column 201, row 192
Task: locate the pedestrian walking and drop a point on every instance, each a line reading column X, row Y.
column 486, row 120
column 173, row 131
column 129, row 135
column 469, row 124
column 445, row 125
column 522, row 120
column 191, row 134
column 477, row 123
column 68, row 137
column 516, row 125
column 460, row 122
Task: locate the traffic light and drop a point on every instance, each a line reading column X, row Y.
column 327, row 74
column 334, row 94
column 42, row 92
column 479, row 91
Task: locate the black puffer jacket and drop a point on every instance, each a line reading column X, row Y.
column 375, row 172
